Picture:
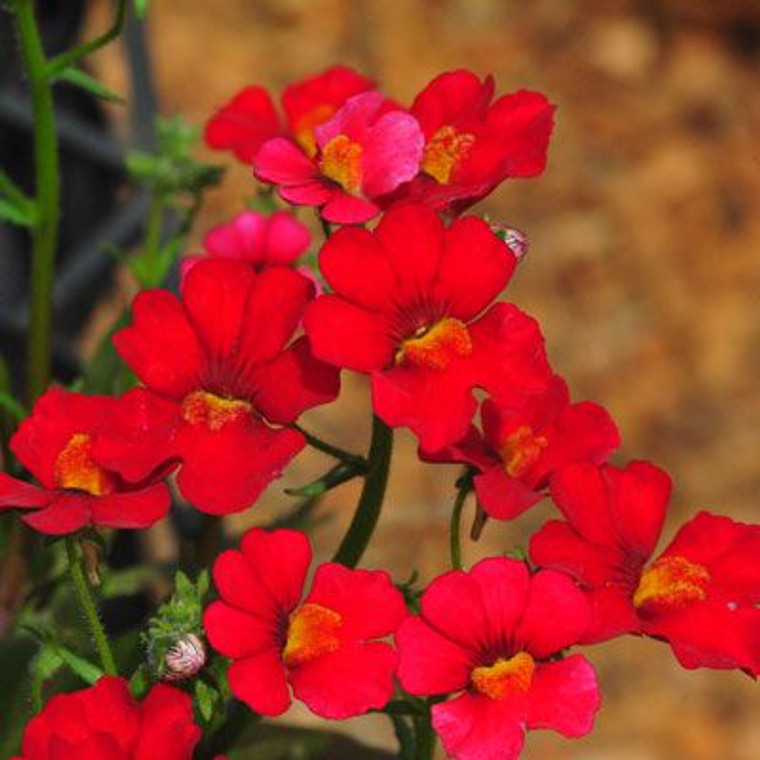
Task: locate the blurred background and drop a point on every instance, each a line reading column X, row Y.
column 644, row 271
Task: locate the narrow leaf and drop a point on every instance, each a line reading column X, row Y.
column 84, row 81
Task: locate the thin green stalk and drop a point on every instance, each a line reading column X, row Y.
column 47, row 192
column 455, row 545
column 424, row 738
column 367, row 512
column 87, row 603
column 334, row 451
column 76, row 54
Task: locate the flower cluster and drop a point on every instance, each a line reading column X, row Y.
column 253, row 339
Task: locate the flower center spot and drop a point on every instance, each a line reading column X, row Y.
column 437, row 346
column 342, row 162
column 521, row 450
column 75, row 469
column 312, row 633
column 505, row 676
column 444, row 152
column 671, row 583
column 204, row 408
column 304, row 130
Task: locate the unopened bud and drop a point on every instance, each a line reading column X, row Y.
column 516, row 241
column 185, row 658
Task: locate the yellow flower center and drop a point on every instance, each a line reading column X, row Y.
column 671, row 582
column 74, row 468
column 437, row 346
column 521, row 450
column 204, row 408
column 505, row 677
column 444, row 152
column 312, row 633
column 342, row 162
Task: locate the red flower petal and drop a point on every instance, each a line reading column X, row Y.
column 15, row 494
column 347, row 336
column 556, row 615
column 474, row 268
column 349, row 681
column 238, row 634
column 348, row 592
column 342, row 208
column 67, row 513
column 167, row 729
column 294, row 382
column 354, row 264
column 478, row 728
column 564, row 696
column 160, row 345
column 239, row 585
column 430, row 663
column 261, row 683
column 280, row 560
column 502, row 497
column 460, row 592
column 215, row 295
column 243, row 124
column 131, row 509
column 281, row 162
column 244, row 457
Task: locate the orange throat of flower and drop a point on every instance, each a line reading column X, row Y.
column 342, row 163
column 204, row 408
column 671, row 583
column 505, row 676
column 445, row 150
column 304, row 129
column 312, row 633
column 75, row 468
column 521, row 450
column 437, row 346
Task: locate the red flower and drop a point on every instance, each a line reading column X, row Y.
column 471, row 144
column 493, row 634
column 250, row 118
column 408, row 307
column 256, row 239
column 366, row 150
column 700, row 594
column 55, row 443
column 104, row 722
column 523, row 443
column 323, row 645
column 221, row 379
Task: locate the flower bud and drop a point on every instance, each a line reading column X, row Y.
column 516, row 241
column 185, row 658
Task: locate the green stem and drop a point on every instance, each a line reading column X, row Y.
column 47, row 191
column 70, row 57
column 334, row 451
column 363, row 524
column 88, row 608
column 425, row 738
column 455, row 545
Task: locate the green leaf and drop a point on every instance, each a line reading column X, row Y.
column 127, row 582
column 141, row 9
column 206, row 698
column 84, row 81
column 13, row 407
column 20, row 214
column 139, row 683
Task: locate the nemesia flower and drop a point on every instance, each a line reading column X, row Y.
column 55, row 443
column 322, row 645
column 222, row 378
column 700, row 594
column 411, row 307
column 255, row 239
column 250, row 118
column 364, row 152
column 523, row 444
column 493, row 635
column 105, row 722
column 472, row 144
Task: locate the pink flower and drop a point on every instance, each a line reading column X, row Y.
column 364, row 152
column 256, row 239
column 495, row 635
column 323, row 645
